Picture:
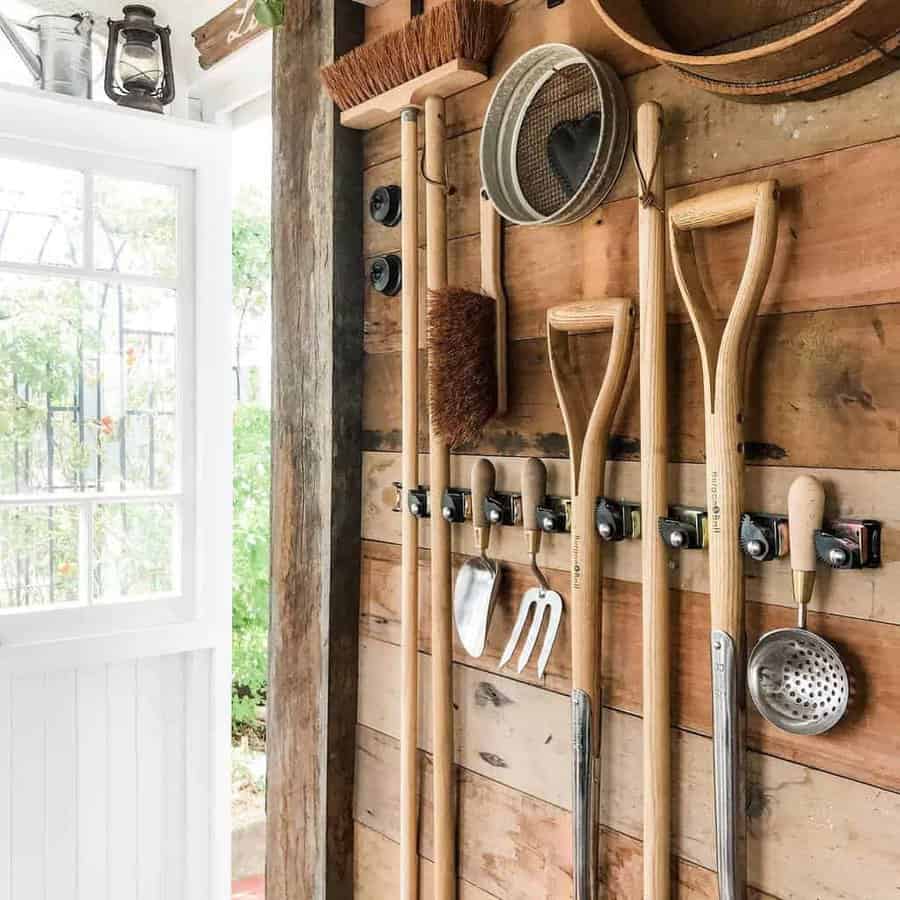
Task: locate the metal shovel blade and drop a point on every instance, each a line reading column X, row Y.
column 473, row 602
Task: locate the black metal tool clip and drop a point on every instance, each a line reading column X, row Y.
column 764, row 537
column 850, row 544
column 553, row 517
column 685, row 528
column 455, row 504
column 417, row 503
column 617, row 520
column 503, row 509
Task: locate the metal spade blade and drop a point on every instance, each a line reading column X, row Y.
column 476, row 588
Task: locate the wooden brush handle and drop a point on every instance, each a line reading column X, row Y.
column 656, row 617
column 439, row 466
column 409, row 584
column 492, row 285
column 484, row 478
column 534, row 490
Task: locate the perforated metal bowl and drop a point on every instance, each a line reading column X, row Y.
column 548, row 85
column 797, row 681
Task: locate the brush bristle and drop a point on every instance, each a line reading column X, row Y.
column 462, row 364
column 457, row 29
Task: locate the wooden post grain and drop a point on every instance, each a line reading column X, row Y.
column 655, row 612
column 316, row 486
column 441, row 604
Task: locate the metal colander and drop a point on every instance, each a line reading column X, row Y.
column 547, row 87
column 798, row 682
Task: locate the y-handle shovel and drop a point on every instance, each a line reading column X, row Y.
column 587, row 427
column 723, row 355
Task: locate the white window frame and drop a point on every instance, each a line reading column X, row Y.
column 78, row 134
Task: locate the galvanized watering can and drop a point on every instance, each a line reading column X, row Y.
column 63, row 61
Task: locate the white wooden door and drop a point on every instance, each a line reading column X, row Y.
column 115, row 503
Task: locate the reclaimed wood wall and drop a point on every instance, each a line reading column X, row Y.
column 824, row 812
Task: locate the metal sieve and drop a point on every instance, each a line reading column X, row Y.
column 797, row 679
column 548, row 87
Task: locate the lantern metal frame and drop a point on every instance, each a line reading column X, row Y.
column 139, row 18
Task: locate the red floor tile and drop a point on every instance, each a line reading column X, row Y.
column 249, row 888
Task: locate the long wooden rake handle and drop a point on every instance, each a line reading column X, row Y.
column 441, row 588
column 723, row 354
column 409, row 585
column 656, row 615
column 587, row 427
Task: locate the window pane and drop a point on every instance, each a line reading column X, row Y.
column 135, row 227
column 87, row 386
column 38, row 556
column 133, row 550
column 41, row 216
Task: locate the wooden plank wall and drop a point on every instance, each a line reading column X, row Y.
column 824, row 812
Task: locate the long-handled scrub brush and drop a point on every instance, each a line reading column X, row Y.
column 433, row 56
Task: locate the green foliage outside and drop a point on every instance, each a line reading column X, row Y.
column 251, row 267
column 250, row 569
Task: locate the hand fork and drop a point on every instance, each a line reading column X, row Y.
column 545, row 602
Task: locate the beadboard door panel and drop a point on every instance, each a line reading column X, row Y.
column 95, row 761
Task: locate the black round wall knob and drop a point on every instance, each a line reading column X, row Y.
column 386, row 274
column 385, row 205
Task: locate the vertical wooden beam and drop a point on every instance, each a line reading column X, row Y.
column 316, row 461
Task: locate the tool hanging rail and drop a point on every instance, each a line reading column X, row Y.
column 841, row 543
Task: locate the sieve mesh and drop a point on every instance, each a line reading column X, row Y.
column 798, row 681
column 569, row 94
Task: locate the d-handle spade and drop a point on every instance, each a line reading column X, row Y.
column 588, row 420
column 723, row 354
column 546, row 603
column 479, row 577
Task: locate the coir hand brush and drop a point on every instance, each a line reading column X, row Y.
column 432, row 57
column 467, row 344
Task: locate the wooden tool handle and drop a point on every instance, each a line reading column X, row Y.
column 723, row 354
column 723, row 207
column 534, row 490
column 441, row 572
column 587, row 428
column 656, row 616
column 492, row 285
column 581, row 318
column 409, row 585
column 806, row 508
column 588, row 316
column 484, row 478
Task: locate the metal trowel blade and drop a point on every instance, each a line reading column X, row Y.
column 473, row 602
